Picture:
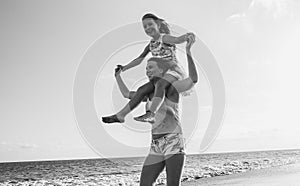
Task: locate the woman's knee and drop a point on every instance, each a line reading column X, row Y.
column 173, row 182
column 174, row 168
column 147, row 181
column 149, row 175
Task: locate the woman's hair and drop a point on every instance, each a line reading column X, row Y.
column 164, row 27
column 163, row 64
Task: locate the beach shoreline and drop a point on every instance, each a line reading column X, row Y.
column 280, row 176
column 280, row 167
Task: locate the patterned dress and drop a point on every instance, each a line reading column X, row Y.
column 168, row 51
column 163, row 50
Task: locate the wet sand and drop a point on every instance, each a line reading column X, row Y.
column 287, row 175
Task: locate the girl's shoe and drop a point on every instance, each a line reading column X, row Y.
column 148, row 117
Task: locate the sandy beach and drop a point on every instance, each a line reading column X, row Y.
column 287, row 175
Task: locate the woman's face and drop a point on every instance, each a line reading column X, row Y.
column 152, row 70
column 151, row 27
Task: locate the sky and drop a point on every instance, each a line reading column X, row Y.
column 43, row 43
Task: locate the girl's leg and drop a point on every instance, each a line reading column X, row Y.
column 140, row 94
column 160, row 87
column 152, row 167
column 174, row 167
column 172, row 93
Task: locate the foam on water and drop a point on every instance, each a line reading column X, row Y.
column 126, row 171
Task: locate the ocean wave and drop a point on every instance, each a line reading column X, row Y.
column 126, row 171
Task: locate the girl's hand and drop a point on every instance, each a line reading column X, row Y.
column 118, row 70
column 189, row 36
column 190, row 42
column 192, row 36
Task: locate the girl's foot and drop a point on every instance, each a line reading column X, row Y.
column 113, row 119
column 148, row 117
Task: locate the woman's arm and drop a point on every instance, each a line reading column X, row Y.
column 176, row 40
column 123, row 88
column 188, row 83
column 193, row 75
column 138, row 60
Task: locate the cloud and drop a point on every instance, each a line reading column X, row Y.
column 8, row 145
column 273, row 8
column 27, row 146
column 243, row 20
column 267, row 8
column 3, row 143
column 262, row 11
column 236, row 18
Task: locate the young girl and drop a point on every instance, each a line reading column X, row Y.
column 161, row 45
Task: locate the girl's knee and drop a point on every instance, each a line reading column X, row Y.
column 166, row 81
column 144, row 90
column 162, row 83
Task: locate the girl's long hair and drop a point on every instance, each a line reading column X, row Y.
column 164, row 26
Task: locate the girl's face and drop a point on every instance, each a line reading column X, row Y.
column 151, row 27
column 152, row 70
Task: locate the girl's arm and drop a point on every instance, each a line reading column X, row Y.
column 176, row 40
column 123, row 88
column 138, row 60
column 188, row 83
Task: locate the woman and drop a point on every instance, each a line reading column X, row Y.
column 167, row 146
column 161, row 45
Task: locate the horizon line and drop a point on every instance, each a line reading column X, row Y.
column 125, row 157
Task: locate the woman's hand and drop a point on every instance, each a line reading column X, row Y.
column 189, row 36
column 118, row 70
column 190, row 42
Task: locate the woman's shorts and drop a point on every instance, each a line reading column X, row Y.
column 167, row 145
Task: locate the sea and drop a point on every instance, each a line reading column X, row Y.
column 126, row 171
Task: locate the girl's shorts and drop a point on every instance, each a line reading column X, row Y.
column 179, row 73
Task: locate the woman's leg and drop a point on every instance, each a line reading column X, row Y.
column 174, row 167
column 152, row 167
column 160, row 87
column 138, row 97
